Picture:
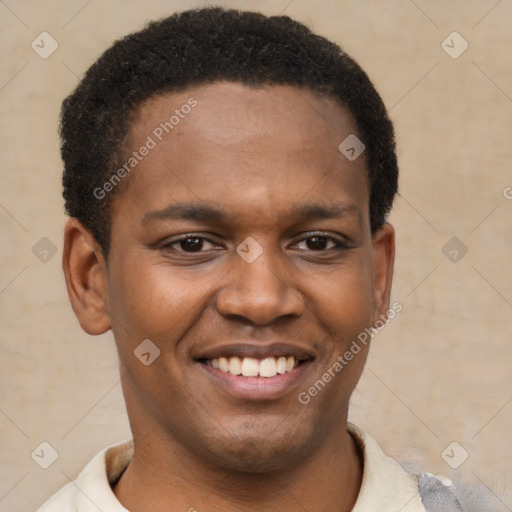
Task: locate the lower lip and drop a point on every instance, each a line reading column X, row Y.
column 257, row 388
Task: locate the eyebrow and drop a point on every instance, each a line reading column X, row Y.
column 313, row 211
column 186, row 211
column 202, row 212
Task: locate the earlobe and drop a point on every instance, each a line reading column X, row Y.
column 383, row 262
column 86, row 278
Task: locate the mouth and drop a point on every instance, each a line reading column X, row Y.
column 254, row 371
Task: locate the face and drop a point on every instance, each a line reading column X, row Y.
column 241, row 243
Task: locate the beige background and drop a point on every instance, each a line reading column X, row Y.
column 440, row 372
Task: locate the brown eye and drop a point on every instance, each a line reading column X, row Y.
column 317, row 243
column 321, row 242
column 191, row 244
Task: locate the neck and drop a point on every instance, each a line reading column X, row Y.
column 163, row 477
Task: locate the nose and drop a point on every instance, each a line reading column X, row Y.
column 259, row 291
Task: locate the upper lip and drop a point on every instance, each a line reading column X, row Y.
column 256, row 350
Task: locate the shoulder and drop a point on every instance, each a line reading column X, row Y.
column 63, row 501
column 389, row 486
column 93, row 485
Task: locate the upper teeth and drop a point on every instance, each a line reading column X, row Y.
column 250, row 367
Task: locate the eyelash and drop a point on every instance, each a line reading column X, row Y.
column 338, row 243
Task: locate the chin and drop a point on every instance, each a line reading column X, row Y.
column 252, row 459
column 260, row 452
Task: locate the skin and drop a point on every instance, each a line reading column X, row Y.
column 259, row 155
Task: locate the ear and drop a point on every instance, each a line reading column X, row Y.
column 383, row 261
column 86, row 277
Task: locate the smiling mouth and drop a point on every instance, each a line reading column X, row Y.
column 252, row 367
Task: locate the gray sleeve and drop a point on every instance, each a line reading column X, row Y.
column 443, row 496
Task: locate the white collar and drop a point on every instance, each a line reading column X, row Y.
column 386, row 487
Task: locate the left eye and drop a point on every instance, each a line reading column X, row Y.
column 320, row 242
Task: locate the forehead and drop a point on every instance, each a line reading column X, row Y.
column 225, row 112
column 226, row 141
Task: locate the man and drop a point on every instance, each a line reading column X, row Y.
column 228, row 178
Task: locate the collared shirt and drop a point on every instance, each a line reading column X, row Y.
column 385, row 487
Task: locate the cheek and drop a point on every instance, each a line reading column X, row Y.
column 153, row 300
column 344, row 308
column 344, row 298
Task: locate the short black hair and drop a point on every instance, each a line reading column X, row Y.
column 199, row 47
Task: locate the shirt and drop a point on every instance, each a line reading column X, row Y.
column 385, row 486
